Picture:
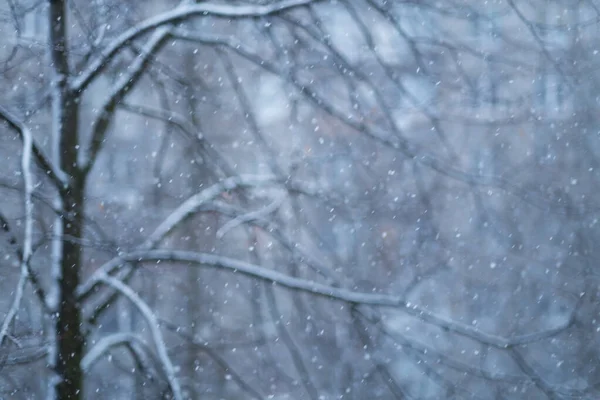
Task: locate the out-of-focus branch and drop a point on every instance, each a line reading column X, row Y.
column 24, row 356
column 534, row 376
column 238, row 378
column 307, row 90
column 163, row 115
column 409, row 150
column 541, row 43
column 287, row 339
column 249, row 116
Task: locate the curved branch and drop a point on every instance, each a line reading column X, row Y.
column 191, row 205
column 178, row 14
column 212, row 353
column 251, row 216
column 392, row 141
column 108, row 342
column 120, row 90
column 170, row 117
column 43, row 162
column 34, row 278
column 539, row 382
column 153, row 324
column 28, row 234
column 312, row 287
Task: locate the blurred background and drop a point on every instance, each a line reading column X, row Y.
column 452, row 151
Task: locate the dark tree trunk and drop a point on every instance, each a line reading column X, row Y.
column 69, row 335
column 70, row 340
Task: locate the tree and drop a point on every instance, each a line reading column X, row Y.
column 384, row 169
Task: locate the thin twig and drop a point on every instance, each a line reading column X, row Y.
column 180, row 13
column 251, row 216
column 153, row 324
column 28, row 234
column 44, row 163
column 312, row 287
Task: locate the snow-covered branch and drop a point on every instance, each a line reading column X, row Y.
column 194, row 203
column 25, row 355
column 299, row 254
column 34, row 279
column 312, row 287
column 197, row 202
column 43, row 162
column 120, row 89
column 133, row 341
column 251, row 216
column 28, row 233
column 180, row 13
column 153, row 324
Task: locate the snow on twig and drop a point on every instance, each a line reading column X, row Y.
column 56, row 176
column 197, row 202
column 194, row 203
column 251, row 216
column 299, row 254
column 315, row 288
column 146, row 253
column 180, row 13
column 128, row 339
column 191, row 205
column 153, row 324
column 28, row 233
column 118, row 92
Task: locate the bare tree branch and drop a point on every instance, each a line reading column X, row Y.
column 57, row 178
column 212, row 353
column 119, row 91
column 393, row 141
column 26, row 355
column 541, row 43
column 132, row 340
column 27, row 235
column 308, row 286
column 182, row 12
column 153, row 324
column 164, row 115
column 32, row 275
column 293, row 350
column 535, row 378
column 251, row 216
column 188, row 209
column 193, row 204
